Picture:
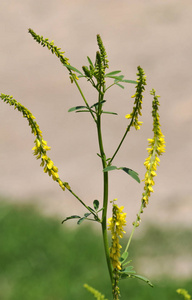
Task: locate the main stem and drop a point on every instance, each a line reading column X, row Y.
column 105, row 198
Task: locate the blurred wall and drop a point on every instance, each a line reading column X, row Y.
column 153, row 34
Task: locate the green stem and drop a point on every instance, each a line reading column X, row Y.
column 134, row 226
column 120, row 144
column 90, row 110
column 105, row 198
column 96, row 217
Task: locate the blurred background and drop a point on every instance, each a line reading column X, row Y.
column 153, row 34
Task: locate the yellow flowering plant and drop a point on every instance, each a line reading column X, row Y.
column 118, row 261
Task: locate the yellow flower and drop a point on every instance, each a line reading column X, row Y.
column 115, row 225
column 40, row 148
column 155, row 149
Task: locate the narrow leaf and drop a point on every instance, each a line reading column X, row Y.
column 73, row 69
column 128, row 270
column 81, row 220
column 96, row 104
column 129, row 81
column 132, row 173
column 89, row 60
column 82, row 110
column 118, row 78
column 87, row 214
column 112, row 73
column 123, row 256
column 110, row 168
column 76, row 108
column 121, row 86
column 144, row 279
column 109, row 112
column 71, row 217
column 96, row 204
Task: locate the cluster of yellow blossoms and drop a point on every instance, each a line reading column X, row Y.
column 40, row 149
column 140, row 87
column 156, row 148
column 116, row 224
column 40, row 145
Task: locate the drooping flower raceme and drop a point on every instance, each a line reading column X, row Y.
column 116, row 225
column 40, row 149
column 155, row 149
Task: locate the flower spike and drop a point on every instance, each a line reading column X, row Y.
column 155, row 149
column 40, row 149
column 140, row 87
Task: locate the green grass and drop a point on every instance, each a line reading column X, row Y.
column 40, row 259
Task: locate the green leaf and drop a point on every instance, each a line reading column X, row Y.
column 132, row 173
column 109, row 112
column 110, row 168
column 81, row 220
column 87, row 214
column 123, row 257
column 129, row 81
column 73, row 69
column 97, row 103
column 71, row 217
column 128, row 270
column 112, row 73
column 89, row 60
column 82, row 111
column 144, row 279
column 96, row 204
column 80, row 76
column 76, row 108
column 118, row 78
column 121, row 86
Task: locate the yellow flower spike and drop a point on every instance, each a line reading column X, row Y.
column 140, row 87
column 40, row 148
column 115, row 225
column 156, row 148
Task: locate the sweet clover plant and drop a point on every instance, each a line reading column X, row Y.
column 96, row 73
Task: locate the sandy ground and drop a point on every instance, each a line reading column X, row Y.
column 153, row 34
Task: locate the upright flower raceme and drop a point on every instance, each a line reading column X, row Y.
column 115, row 225
column 140, row 87
column 155, row 149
